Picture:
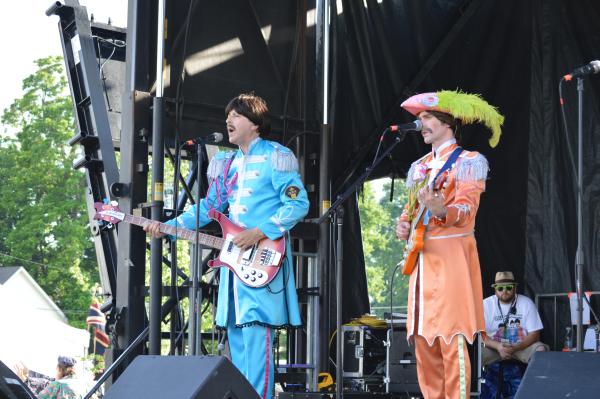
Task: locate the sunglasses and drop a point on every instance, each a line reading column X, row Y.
column 508, row 287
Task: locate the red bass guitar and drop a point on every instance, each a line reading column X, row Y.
column 256, row 266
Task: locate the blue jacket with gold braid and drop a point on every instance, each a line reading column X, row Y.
column 267, row 193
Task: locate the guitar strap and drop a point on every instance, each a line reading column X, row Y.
column 228, row 185
column 447, row 165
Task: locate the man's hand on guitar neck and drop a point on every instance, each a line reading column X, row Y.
column 154, row 229
column 248, row 238
column 432, row 200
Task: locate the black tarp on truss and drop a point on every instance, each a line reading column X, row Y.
column 513, row 53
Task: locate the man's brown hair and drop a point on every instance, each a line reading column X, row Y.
column 449, row 120
column 252, row 107
column 446, row 118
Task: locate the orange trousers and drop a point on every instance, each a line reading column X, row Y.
column 444, row 370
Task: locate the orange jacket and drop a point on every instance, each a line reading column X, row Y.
column 449, row 298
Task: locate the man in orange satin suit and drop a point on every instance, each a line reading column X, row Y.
column 445, row 292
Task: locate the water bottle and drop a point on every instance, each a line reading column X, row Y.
column 568, row 339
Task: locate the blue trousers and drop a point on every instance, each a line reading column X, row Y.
column 512, row 374
column 251, row 351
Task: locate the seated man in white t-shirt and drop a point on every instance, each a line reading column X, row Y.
column 512, row 323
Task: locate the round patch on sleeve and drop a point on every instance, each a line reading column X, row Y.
column 292, row 192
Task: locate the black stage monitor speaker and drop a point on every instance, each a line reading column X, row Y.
column 572, row 375
column 11, row 386
column 402, row 364
column 181, row 377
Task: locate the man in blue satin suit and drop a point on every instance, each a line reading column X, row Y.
column 261, row 186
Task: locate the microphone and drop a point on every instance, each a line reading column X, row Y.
column 212, row 138
column 416, row 126
column 588, row 69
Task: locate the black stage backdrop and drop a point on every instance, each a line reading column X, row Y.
column 513, row 52
column 564, row 36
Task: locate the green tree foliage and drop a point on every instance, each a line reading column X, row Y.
column 43, row 222
column 382, row 250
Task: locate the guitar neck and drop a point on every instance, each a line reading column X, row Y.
column 180, row 232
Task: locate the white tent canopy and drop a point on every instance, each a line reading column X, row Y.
column 33, row 331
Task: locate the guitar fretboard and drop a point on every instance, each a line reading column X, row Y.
column 181, row 232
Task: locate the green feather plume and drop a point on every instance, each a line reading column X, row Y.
column 471, row 108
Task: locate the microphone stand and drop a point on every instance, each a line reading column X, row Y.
column 579, row 261
column 164, row 310
column 336, row 210
column 195, row 323
column 158, row 159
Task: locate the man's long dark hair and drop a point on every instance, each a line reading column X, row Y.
column 252, row 107
column 449, row 120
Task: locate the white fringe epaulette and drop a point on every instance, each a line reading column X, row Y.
column 217, row 164
column 409, row 176
column 473, row 166
column 284, row 160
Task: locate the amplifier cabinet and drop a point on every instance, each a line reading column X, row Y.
column 401, row 365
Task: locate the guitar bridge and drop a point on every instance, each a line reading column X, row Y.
column 267, row 256
column 270, row 257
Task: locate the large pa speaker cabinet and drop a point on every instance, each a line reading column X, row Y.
column 572, row 375
column 11, row 386
column 181, row 377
